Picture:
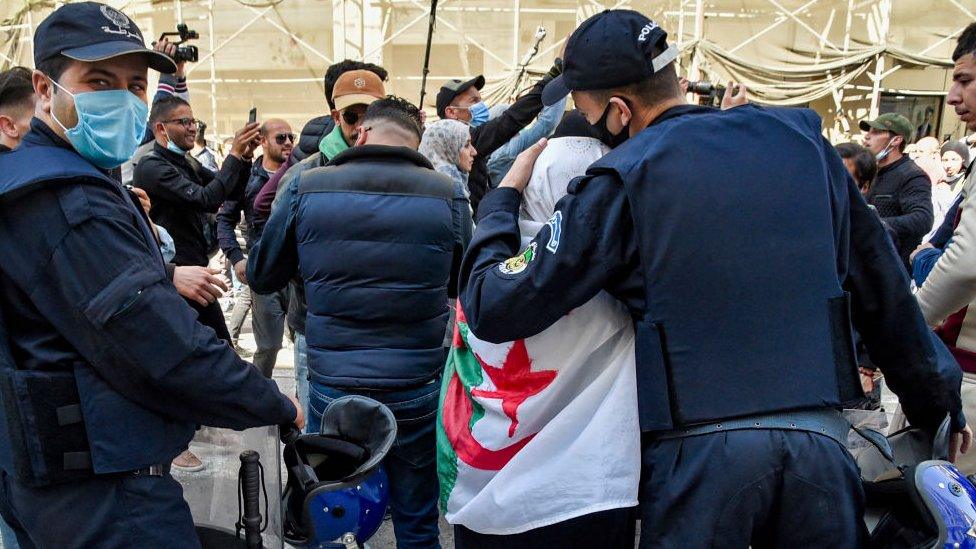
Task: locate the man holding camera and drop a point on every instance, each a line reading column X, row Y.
column 104, row 370
column 728, row 284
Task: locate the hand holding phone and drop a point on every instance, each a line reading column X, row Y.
column 252, row 116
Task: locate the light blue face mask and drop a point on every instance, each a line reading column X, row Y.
column 173, row 146
column 110, row 126
column 479, row 114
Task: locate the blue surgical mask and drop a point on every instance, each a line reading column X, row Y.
column 110, row 126
column 479, row 114
column 173, row 146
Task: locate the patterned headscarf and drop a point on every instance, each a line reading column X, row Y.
column 563, row 159
column 443, row 141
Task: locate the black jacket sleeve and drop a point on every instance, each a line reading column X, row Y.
column 915, row 200
column 885, row 313
column 490, row 136
column 161, row 179
column 944, row 232
column 227, row 218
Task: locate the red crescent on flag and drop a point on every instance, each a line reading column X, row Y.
column 457, row 414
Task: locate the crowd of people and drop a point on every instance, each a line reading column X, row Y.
column 573, row 330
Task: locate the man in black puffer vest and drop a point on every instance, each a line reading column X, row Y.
column 372, row 234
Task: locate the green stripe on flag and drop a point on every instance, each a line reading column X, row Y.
column 462, row 361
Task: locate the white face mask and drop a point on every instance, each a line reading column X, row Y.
column 885, row 151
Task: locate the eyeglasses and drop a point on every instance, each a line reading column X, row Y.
column 185, row 122
column 282, row 137
column 352, row 117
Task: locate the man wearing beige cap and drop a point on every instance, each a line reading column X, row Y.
column 354, row 91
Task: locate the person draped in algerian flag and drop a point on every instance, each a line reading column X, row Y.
column 538, row 439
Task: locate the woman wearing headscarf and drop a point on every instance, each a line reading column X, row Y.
column 538, row 439
column 447, row 144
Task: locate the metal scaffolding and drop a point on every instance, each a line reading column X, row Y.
column 841, row 57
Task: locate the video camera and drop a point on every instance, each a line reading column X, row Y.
column 711, row 94
column 184, row 53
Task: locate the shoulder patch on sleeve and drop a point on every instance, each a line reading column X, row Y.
column 73, row 198
column 517, row 264
column 555, row 231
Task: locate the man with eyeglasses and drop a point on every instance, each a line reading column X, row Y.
column 268, row 311
column 183, row 192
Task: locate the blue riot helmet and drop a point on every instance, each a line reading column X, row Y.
column 337, row 493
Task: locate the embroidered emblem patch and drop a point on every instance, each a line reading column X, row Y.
column 119, row 20
column 555, row 231
column 517, row 264
column 359, row 83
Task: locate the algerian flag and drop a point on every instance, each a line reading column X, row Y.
column 541, row 430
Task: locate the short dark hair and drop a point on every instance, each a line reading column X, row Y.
column 966, row 43
column 396, row 110
column 16, row 89
column 163, row 107
column 865, row 165
column 54, row 66
column 658, row 87
column 336, row 70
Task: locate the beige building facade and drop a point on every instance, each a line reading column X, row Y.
column 848, row 59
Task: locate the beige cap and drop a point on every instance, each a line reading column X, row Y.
column 359, row 87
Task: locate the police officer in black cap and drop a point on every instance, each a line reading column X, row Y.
column 745, row 254
column 104, row 370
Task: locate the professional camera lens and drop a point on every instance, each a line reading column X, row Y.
column 701, row 88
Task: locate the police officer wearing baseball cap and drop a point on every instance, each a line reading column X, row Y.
column 901, row 192
column 741, row 274
column 104, row 370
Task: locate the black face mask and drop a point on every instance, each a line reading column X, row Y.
column 604, row 135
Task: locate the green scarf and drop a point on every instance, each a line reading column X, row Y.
column 333, row 144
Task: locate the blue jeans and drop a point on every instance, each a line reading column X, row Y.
column 7, row 537
column 411, row 463
column 301, row 376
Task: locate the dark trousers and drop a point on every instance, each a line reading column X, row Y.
column 756, row 487
column 268, row 323
column 411, row 464
column 613, row 529
column 212, row 316
column 105, row 511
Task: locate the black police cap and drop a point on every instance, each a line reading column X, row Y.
column 89, row 31
column 611, row 49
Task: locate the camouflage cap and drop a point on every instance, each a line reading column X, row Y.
column 890, row 122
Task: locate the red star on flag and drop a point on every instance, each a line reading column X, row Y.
column 514, row 382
